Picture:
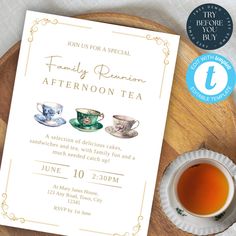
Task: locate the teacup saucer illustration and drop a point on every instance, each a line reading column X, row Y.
column 74, row 122
column 130, row 134
column 182, row 219
column 51, row 123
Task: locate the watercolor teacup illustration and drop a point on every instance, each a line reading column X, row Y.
column 49, row 109
column 87, row 120
column 123, row 126
column 50, row 114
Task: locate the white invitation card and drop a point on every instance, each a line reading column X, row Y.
column 86, row 127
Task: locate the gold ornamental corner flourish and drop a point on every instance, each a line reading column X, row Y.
column 34, row 28
column 161, row 41
column 136, row 229
column 5, row 207
column 166, row 52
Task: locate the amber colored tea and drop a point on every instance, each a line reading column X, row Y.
column 203, row 189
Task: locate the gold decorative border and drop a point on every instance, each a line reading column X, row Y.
column 35, row 27
column 5, row 207
column 135, row 230
column 163, row 42
column 45, row 21
column 11, row 216
column 166, row 51
column 159, row 41
column 128, row 34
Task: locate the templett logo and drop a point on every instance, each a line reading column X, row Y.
column 210, row 72
column 210, row 78
column 209, row 26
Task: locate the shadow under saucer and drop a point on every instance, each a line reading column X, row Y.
column 130, row 134
column 74, row 122
column 50, row 123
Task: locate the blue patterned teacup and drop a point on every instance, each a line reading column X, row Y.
column 49, row 109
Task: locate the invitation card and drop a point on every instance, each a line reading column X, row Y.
column 86, row 126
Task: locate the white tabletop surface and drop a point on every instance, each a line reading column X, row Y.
column 171, row 13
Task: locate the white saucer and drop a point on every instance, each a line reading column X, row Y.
column 111, row 130
column 184, row 221
column 51, row 123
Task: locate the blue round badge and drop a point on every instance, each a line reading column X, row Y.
column 210, row 78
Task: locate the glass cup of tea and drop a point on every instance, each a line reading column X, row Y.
column 204, row 187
